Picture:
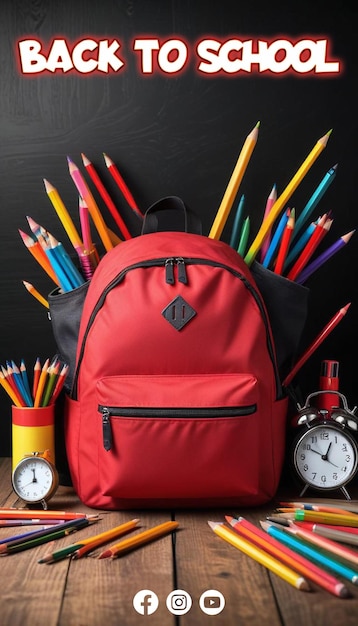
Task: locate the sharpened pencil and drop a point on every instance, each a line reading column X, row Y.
column 285, row 195
column 83, row 546
column 289, row 557
column 138, row 540
column 112, row 168
column 234, row 183
column 261, row 556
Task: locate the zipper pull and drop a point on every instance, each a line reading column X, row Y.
column 169, row 271
column 182, row 277
column 106, row 429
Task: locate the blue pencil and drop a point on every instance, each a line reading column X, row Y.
column 276, row 238
column 315, row 198
column 236, row 229
column 305, row 549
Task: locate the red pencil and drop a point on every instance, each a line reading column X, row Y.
column 106, row 197
column 121, row 184
column 319, row 232
column 285, row 243
column 314, row 345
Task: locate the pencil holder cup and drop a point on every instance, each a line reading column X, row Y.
column 33, row 430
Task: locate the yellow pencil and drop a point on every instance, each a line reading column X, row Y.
column 262, row 557
column 141, row 538
column 285, row 195
column 31, row 289
column 64, row 215
column 41, row 385
column 234, row 182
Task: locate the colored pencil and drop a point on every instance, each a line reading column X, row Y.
column 50, row 385
column 285, row 195
column 9, row 523
column 245, row 232
column 39, row 254
column 41, row 386
column 106, row 197
column 261, row 556
column 43, row 536
column 237, row 226
column 285, row 243
column 320, row 190
column 320, row 231
column 326, row 518
column 140, row 539
column 60, row 382
column 322, row 507
column 16, row 514
column 296, row 248
column 343, row 534
column 317, row 342
column 325, row 543
column 36, row 376
column 112, row 168
column 14, row 396
column 36, row 294
column 322, row 258
column 25, row 378
column 288, row 557
column 310, row 552
column 83, row 546
column 269, row 204
column 24, row 393
column 234, row 183
column 64, row 216
column 66, row 262
column 276, row 238
column 87, row 196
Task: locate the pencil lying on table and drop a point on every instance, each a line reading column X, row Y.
column 289, row 557
column 83, row 546
column 261, row 556
column 131, row 543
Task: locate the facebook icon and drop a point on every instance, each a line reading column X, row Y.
column 145, row 602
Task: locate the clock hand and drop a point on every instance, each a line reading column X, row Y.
column 324, row 457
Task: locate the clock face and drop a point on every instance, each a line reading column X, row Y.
column 33, row 479
column 325, row 457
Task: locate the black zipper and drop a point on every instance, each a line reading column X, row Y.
column 181, row 262
column 171, row 412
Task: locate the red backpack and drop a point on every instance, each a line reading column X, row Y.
column 176, row 398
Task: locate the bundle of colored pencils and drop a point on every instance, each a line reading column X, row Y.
column 300, row 543
column 47, row 383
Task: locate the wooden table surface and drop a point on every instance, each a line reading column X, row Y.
column 91, row 592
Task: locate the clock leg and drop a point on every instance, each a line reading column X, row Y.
column 345, row 493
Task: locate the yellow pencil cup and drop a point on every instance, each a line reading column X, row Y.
column 33, row 430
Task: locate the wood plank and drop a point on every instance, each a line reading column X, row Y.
column 252, row 593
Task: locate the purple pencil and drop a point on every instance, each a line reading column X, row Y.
column 322, row 258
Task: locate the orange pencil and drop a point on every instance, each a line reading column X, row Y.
column 41, row 384
column 321, row 229
column 36, row 294
column 138, row 540
column 10, row 391
column 121, row 184
column 106, row 197
column 285, row 243
column 38, row 253
column 317, row 342
column 36, row 378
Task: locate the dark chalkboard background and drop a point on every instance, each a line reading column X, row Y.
column 173, row 135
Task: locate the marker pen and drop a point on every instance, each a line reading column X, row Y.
column 328, row 381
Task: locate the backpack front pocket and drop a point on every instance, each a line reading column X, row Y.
column 183, row 437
